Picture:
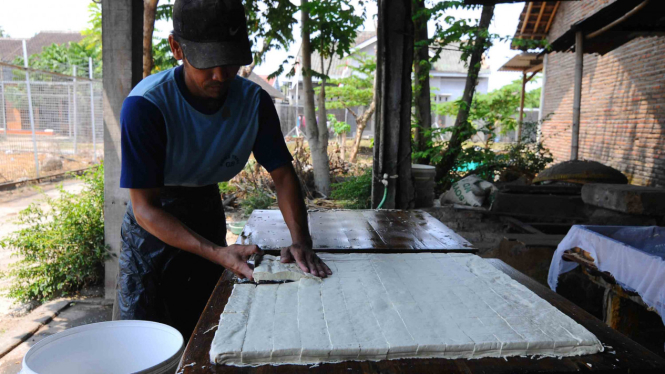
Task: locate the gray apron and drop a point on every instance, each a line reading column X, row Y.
column 161, row 283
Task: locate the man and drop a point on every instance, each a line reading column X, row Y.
column 183, row 131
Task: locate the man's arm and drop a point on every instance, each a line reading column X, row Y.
column 292, row 206
column 151, row 217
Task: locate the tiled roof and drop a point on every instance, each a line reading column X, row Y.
column 10, row 48
column 449, row 62
column 337, row 65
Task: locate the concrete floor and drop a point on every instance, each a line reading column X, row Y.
column 78, row 314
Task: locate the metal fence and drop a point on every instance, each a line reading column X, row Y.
column 49, row 122
column 292, row 127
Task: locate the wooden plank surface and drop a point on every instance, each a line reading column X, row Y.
column 624, row 356
column 339, row 231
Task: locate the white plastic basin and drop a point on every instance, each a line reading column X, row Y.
column 116, row 347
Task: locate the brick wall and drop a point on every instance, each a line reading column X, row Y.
column 623, row 103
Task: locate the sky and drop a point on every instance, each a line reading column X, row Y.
column 21, row 20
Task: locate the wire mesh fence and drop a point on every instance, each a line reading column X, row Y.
column 49, row 122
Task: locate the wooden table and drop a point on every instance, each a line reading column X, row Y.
column 624, row 356
column 339, row 231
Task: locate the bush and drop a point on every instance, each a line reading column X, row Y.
column 354, row 193
column 225, row 188
column 258, row 199
column 62, row 248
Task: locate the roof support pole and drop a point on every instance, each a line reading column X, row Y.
column 577, row 96
column 392, row 139
column 521, row 119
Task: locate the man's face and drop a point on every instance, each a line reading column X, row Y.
column 211, row 83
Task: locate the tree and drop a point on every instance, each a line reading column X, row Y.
column 354, row 91
column 271, row 23
column 330, row 30
column 477, row 42
column 3, row 34
column 494, row 110
column 317, row 139
column 421, row 67
column 149, row 12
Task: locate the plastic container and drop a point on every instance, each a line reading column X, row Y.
column 236, row 227
column 116, row 347
column 423, row 177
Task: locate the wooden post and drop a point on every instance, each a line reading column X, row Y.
column 521, row 120
column 577, row 96
column 392, row 137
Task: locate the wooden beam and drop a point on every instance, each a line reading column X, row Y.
column 543, row 5
column 521, row 225
column 549, row 23
column 526, row 17
column 577, row 95
column 521, row 119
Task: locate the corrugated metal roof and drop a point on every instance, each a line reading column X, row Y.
column 525, row 62
column 272, row 91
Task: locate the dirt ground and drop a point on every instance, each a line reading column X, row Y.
column 21, row 166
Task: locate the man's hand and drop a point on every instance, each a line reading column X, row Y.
column 234, row 258
column 306, row 259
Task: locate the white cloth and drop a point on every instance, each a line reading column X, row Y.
column 392, row 306
column 614, row 249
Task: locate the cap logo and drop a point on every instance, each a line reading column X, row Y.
column 233, row 31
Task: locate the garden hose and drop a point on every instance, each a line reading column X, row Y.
column 384, row 181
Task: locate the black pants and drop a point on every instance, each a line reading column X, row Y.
column 164, row 284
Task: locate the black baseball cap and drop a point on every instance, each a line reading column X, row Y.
column 212, row 32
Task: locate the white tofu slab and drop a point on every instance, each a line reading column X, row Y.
column 314, row 338
column 286, row 347
column 391, row 306
column 258, row 343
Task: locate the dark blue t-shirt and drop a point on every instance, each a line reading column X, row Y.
column 145, row 141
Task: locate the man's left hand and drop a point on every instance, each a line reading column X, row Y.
column 306, row 259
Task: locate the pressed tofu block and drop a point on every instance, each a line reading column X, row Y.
column 391, row 306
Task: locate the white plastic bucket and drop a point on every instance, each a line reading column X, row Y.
column 116, row 347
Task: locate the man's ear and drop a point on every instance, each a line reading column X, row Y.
column 175, row 48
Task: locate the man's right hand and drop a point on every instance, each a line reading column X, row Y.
column 235, row 257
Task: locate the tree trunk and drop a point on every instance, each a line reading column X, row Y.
column 361, row 123
column 392, row 139
column 317, row 147
column 422, row 100
column 461, row 132
column 246, row 71
column 343, row 151
column 149, row 10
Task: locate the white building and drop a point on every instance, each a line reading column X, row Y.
column 447, row 79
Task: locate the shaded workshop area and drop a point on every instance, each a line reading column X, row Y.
column 462, row 256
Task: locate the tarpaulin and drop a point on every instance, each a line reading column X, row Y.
column 635, row 256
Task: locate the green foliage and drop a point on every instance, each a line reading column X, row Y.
column 355, row 192
column 61, row 249
column 526, row 158
column 3, row 34
column 333, row 27
column 271, row 22
column 356, row 89
column 339, row 127
column 226, row 188
column 495, row 109
column 62, row 58
column 258, row 199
